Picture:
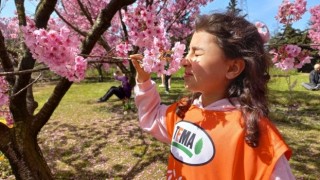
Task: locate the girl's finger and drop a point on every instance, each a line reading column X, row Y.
column 135, row 60
column 141, row 75
column 136, row 57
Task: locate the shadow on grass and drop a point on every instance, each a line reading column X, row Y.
column 300, row 125
column 114, row 148
column 302, row 98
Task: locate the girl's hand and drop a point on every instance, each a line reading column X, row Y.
column 141, row 75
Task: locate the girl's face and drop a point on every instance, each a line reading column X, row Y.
column 206, row 67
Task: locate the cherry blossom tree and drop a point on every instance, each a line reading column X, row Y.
column 314, row 31
column 65, row 37
column 292, row 56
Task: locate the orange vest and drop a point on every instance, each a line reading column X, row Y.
column 210, row 145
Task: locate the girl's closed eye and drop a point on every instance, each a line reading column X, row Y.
column 196, row 54
column 197, row 51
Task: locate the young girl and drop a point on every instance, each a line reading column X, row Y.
column 223, row 132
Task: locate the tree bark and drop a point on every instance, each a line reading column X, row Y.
column 5, row 60
column 99, row 68
column 23, row 153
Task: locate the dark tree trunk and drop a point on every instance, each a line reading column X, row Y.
column 99, row 68
column 23, row 153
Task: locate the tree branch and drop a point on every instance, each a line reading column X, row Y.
column 30, row 84
column 102, row 23
column 124, row 27
column 48, row 108
column 102, row 42
column 5, row 60
column 163, row 5
column 103, row 60
column 18, row 104
column 5, row 136
column 70, row 25
column 85, row 12
column 12, row 52
column 179, row 13
column 21, row 12
column 22, row 72
column 43, row 12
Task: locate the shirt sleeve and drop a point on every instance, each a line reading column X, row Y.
column 282, row 170
column 152, row 114
column 312, row 77
column 119, row 78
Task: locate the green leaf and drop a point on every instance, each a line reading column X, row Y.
column 198, row 148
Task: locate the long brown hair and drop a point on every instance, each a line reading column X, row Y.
column 239, row 38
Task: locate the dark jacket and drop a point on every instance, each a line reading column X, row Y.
column 314, row 77
column 125, row 84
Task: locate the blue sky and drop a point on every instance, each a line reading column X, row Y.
column 9, row 8
column 257, row 10
column 264, row 11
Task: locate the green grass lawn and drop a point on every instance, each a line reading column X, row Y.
column 296, row 114
column 89, row 140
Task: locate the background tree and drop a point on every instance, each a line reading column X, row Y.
column 232, row 6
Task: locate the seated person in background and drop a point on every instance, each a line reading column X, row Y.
column 314, row 79
column 122, row 92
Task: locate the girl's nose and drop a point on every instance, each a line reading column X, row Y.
column 185, row 61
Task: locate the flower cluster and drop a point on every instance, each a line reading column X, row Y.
column 113, row 36
column 147, row 32
column 9, row 27
column 289, row 57
column 291, row 12
column 152, row 27
column 5, row 113
column 123, row 49
column 164, row 62
column 314, row 31
column 58, row 49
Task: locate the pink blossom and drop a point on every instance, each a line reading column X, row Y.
column 49, row 47
column 150, row 37
column 289, row 57
column 314, row 31
column 290, row 12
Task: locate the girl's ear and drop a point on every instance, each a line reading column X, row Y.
column 235, row 68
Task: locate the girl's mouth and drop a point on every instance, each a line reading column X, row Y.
column 187, row 74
